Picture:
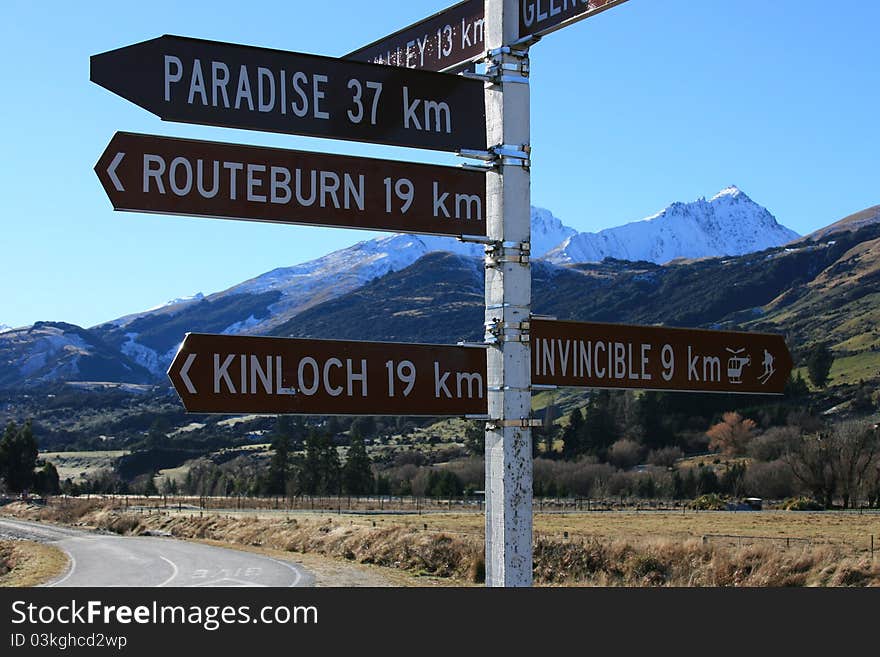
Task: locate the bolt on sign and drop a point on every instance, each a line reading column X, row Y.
column 146, row 173
column 234, row 86
column 597, row 355
column 243, row 374
column 540, row 17
column 446, row 41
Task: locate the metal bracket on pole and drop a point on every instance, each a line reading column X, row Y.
column 548, row 318
column 544, row 386
column 522, row 423
column 498, row 253
column 499, row 71
column 517, row 155
column 498, row 331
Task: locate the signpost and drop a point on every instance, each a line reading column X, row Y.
column 446, row 41
column 242, row 374
column 146, row 173
column 233, row 86
column 220, row 84
column 596, row 355
column 540, row 17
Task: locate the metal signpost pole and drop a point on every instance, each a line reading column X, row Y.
column 508, row 301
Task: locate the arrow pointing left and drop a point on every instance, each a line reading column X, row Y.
column 184, row 374
column 111, row 171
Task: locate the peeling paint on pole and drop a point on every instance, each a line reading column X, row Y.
column 508, row 300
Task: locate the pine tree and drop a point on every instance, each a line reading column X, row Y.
column 310, row 473
column 600, row 429
column 819, row 362
column 572, row 435
column 279, row 465
column 18, row 457
column 357, row 475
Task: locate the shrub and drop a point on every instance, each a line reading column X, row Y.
column 802, row 504
column 625, row 453
column 773, row 443
column 772, row 480
column 710, row 502
column 665, row 456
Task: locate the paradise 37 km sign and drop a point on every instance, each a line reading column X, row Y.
column 233, row 86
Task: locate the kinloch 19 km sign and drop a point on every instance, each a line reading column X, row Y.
column 242, row 374
column 147, row 173
column 234, row 86
column 657, row 358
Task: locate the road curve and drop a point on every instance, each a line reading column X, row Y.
column 146, row 561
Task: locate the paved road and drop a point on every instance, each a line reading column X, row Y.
column 109, row 560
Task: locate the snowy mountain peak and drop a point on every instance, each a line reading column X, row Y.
column 732, row 192
column 729, row 224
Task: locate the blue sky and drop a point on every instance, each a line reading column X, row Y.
column 648, row 103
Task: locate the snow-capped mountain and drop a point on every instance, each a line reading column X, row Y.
column 304, row 285
column 5, row 327
column 140, row 346
column 730, row 223
column 52, row 351
column 258, row 305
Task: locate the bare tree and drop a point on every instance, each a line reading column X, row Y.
column 857, row 449
column 839, row 461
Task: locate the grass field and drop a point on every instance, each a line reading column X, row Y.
column 26, row 563
column 79, row 465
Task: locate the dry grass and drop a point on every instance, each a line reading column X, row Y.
column 584, row 549
column 26, row 563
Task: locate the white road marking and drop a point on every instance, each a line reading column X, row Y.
column 173, row 575
column 292, row 567
column 70, row 569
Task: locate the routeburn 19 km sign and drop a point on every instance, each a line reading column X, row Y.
column 146, row 173
column 242, row 374
column 657, row 358
column 234, row 86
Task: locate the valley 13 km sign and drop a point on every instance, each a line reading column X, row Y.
column 242, row 374
column 146, row 173
column 233, row 86
column 596, row 355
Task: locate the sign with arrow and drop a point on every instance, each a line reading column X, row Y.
column 146, row 173
column 243, row 374
column 597, row 355
column 234, row 86
column 446, row 41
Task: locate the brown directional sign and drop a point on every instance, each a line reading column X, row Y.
column 657, row 358
column 242, row 374
column 233, row 86
column 146, row 173
column 443, row 42
column 540, row 17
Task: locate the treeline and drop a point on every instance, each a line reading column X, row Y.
column 304, row 461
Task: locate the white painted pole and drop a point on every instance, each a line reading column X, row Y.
column 508, row 301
